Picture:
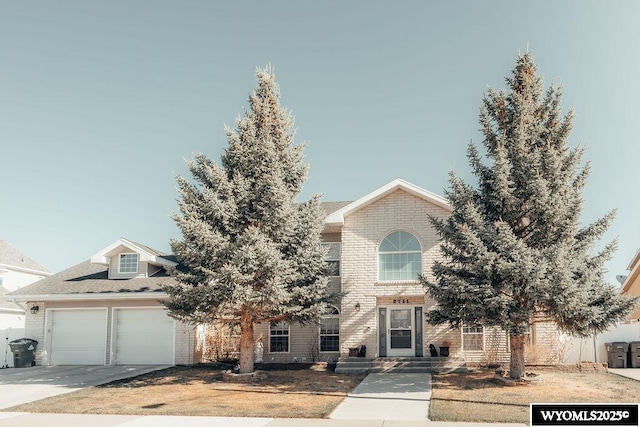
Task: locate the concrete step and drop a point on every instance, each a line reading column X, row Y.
column 400, row 369
column 400, row 364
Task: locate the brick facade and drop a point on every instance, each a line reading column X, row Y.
column 362, row 234
column 364, row 224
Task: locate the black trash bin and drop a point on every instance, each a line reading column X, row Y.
column 24, row 352
column 617, row 354
column 634, row 353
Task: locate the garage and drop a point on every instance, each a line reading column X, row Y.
column 77, row 337
column 143, row 336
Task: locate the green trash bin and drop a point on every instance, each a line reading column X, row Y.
column 24, row 352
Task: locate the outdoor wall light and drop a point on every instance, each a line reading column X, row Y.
column 34, row 309
column 357, row 306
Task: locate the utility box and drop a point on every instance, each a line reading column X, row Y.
column 24, row 352
column 617, row 354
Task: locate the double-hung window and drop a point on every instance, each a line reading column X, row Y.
column 279, row 337
column 333, row 258
column 330, row 331
column 472, row 338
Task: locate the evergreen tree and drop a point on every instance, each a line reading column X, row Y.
column 513, row 248
column 250, row 252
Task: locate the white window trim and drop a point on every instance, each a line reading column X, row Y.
column 339, row 245
column 288, row 339
column 120, row 262
column 333, row 316
column 462, row 334
column 416, row 280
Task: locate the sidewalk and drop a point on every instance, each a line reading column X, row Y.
column 16, row 419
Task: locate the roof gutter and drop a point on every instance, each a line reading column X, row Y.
column 26, row 270
column 91, row 296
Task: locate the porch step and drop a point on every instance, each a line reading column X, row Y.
column 353, row 365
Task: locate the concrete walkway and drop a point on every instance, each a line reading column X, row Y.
column 632, row 373
column 387, row 397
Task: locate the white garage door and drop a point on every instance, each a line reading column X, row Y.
column 143, row 337
column 78, row 337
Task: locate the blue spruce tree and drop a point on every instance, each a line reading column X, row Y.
column 250, row 252
column 513, row 248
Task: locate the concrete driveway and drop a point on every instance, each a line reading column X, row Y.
column 22, row 385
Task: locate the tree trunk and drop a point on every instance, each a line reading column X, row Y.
column 516, row 365
column 247, row 356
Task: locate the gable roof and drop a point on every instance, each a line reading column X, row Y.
column 12, row 257
column 331, row 207
column 146, row 253
column 337, row 217
column 90, row 279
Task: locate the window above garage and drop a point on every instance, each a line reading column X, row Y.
column 128, row 263
column 126, row 259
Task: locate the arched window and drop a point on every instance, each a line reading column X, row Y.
column 330, row 330
column 400, row 257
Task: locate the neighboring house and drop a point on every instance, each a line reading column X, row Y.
column 106, row 311
column 11, row 314
column 378, row 245
column 631, row 286
column 17, row 269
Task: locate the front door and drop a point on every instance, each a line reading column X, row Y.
column 401, row 332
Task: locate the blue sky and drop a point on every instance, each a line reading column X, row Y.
column 101, row 102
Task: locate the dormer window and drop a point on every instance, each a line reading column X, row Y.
column 128, row 263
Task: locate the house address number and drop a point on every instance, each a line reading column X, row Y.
column 401, row 301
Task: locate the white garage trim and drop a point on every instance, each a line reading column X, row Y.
column 142, row 336
column 76, row 336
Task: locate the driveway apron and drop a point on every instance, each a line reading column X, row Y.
column 23, row 385
column 388, row 396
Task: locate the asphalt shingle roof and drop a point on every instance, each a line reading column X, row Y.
column 89, row 278
column 13, row 257
column 331, row 207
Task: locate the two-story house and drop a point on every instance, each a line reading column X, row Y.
column 107, row 310
column 378, row 245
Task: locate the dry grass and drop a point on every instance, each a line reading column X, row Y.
column 474, row 396
column 311, row 392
